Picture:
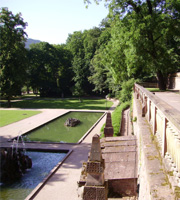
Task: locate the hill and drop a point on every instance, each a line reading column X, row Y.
column 31, row 41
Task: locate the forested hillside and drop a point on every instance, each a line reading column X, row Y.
column 31, row 41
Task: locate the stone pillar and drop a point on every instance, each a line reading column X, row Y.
column 95, row 187
column 144, row 107
column 108, row 120
column 164, row 142
column 108, row 130
column 154, row 120
column 149, row 111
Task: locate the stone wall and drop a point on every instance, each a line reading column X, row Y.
column 174, row 81
column 164, row 122
column 153, row 181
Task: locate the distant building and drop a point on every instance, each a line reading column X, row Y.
column 174, row 81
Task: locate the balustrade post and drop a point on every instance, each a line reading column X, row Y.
column 144, row 108
column 149, row 110
column 154, row 120
column 164, row 142
column 137, row 94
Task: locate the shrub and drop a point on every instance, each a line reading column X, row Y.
column 117, row 115
column 116, row 118
column 126, row 92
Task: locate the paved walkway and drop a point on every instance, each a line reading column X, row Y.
column 63, row 184
column 126, row 127
column 25, row 125
column 172, row 98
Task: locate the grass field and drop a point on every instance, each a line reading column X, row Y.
column 154, row 90
column 91, row 104
column 10, row 116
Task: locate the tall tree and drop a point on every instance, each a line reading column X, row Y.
column 65, row 73
column 75, row 45
column 13, row 56
column 148, row 37
column 83, row 46
column 99, row 71
column 50, row 69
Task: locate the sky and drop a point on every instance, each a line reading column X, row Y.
column 53, row 20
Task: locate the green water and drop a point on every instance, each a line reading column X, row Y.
column 42, row 164
column 56, row 131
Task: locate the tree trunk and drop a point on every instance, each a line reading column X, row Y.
column 27, row 89
column 80, row 100
column 161, row 80
column 9, row 102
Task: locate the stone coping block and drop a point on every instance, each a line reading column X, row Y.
column 120, row 143
column 122, row 138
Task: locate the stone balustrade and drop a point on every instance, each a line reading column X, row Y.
column 165, row 123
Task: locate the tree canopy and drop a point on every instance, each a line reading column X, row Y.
column 13, row 56
column 83, row 46
column 144, row 36
column 50, row 69
column 137, row 40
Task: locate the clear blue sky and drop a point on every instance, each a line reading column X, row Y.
column 52, row 20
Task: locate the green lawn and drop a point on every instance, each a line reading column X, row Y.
column 91, row 104
column 10, row 116
column 158, row 90
column 154, row 90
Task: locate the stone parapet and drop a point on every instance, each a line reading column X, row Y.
column 164, row 122
column 153, row 180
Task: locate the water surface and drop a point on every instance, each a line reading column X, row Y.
column 56, row 131
column 43, row 163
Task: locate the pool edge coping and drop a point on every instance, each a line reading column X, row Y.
column 40, row 186
column 92, row 127
column 69, row 143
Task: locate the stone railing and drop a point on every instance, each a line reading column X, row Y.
column 165, row 124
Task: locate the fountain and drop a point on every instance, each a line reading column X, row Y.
column 14, row 162
column 72, row 122
column 17, row 175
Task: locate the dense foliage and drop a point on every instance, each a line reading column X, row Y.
column 144, row 39
column 117, row 116
column 50, row 69
column 137, row 40
column 13, row 57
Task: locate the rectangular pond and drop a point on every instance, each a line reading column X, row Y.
column 56, row 131
column 42, row 164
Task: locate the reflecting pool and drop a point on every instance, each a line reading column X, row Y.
column 56, row 131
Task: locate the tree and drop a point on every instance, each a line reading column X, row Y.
column 99, row 72
column 83, row 46
column 50, row 69
column 65, row 73
column 147, row 38
column 13, row 56
column 75, row 45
